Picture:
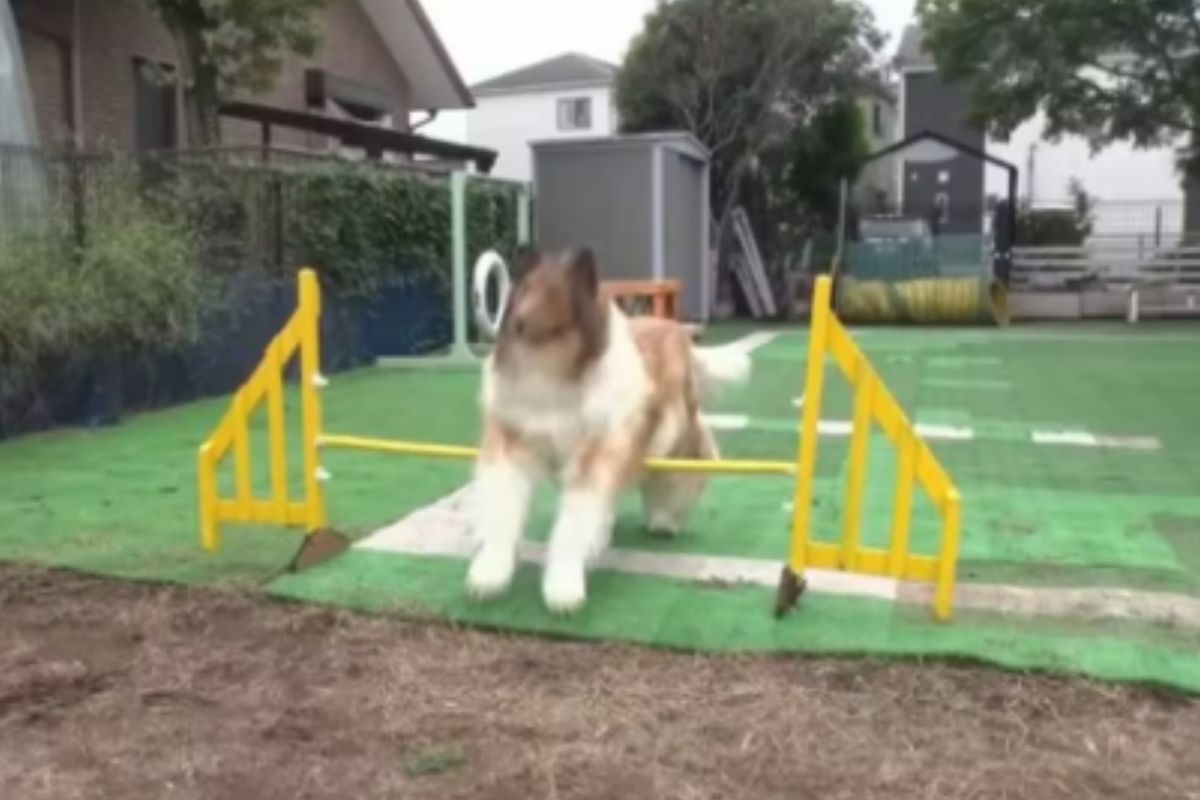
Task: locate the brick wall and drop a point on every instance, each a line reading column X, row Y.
column 44, row 32
column 48, row 65
column 351, row 48
column 115, row 32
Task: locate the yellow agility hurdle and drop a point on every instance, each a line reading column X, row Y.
column 873, row 403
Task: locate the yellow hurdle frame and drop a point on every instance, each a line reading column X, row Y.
column 872, row 403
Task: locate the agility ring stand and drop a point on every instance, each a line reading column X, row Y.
column 490, row 264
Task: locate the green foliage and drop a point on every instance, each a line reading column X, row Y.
column 126, row 260
column 1107, row 70
column 743, row 75
column 435, row 760
column 362, row 226
column 819, row 155
column 365, row 228
column 1054, row 227
column 130, row 285
column 227, row 46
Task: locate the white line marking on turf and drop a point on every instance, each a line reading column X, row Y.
column 752, row 341
column 952, row 433
column 839, row 427
column 726, row 422
column 444, row 529
column 835, row 427
column 1093, row 603
column 957, row 433
column 1087, row 439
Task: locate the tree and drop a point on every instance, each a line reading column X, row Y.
column 794, row 190
column 1107, row 70
column 1057, row 227
column 832, row 147
column 227, row 46
column 742, row 76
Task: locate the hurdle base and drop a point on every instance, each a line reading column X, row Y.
column 318, row 547
column 791, row 586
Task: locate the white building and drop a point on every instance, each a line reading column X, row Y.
column 569, row 96
column 1139, row 190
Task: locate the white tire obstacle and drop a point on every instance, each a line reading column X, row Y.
column 490, row 264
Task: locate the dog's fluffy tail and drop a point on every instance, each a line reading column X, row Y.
column 718, row 367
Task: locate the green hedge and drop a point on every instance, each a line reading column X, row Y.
column 122, row 259
column 360, row 226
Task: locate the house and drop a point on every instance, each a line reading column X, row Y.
column 1138, row 190
column 94, row 71
column 876, row 186
column 568, row 96
column 948, row 193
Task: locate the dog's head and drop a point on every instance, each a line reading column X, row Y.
column 556, row 317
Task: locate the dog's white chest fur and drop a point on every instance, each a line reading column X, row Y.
column 558, row 414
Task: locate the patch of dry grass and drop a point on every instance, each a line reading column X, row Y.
column 120, row 690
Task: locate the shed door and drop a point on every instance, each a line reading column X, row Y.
column 683, row 187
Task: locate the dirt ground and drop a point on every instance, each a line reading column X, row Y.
column 114, row 690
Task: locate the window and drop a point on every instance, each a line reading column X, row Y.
column 941, row 204
column 574, row 113
column 155, row 111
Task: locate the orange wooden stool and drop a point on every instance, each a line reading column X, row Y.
column 663, row 295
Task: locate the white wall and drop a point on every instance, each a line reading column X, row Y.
column 1122, row 178
column 1117, row 173
column 878, row 175
column 508, row 123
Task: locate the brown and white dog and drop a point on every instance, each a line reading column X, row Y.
column 577, row 392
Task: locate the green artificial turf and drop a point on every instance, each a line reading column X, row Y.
column 121, row 501
column 691, row 616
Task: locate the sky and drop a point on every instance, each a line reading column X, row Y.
column 473, row 32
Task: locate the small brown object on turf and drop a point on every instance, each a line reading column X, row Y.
column 318, row 547
column 791, row 586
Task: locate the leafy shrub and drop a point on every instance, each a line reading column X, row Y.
column 362, row 226
column 127, row 258
column 365, row 228
column 129, row 286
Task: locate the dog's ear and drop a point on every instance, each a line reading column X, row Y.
column 591, row 316
column 584, row 275
column 527, row 258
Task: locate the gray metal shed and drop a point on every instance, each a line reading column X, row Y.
column 639, row 201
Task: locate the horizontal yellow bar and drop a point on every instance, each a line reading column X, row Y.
column 398, row 447
column 263, row 511
column 432, row 450
column 870, row 561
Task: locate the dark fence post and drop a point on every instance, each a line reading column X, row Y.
column 78, row 190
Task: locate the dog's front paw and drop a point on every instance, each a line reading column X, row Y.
column 490, row 573
column 564, row 587
column 663, row 524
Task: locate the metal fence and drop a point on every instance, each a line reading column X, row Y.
column 263, row 211
column 380, row 236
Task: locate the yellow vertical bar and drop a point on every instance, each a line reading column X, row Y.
column 902, row 506
column 943, row 600
column 806, row 459
column 210, row 534
column 864, row 382
column 310, row 395
column 275, row 430
column 241, row 454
